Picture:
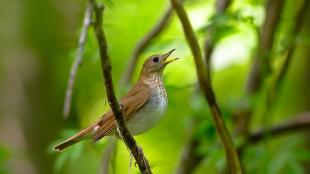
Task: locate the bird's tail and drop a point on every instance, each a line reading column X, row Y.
column 74, row 139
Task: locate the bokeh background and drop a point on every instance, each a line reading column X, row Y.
column 38, row 43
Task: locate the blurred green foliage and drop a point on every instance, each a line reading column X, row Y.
column 4, row 156
column 50, row 29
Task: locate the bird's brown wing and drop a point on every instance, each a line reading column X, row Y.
column 130, row 104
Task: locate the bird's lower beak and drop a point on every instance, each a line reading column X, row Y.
column 167, row 59
column 170, row 60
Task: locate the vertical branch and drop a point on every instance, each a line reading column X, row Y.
column 78, row 59
column 262, row 59
column 204, row 82
column 300, row 17
column 190, row 159
column 261, row 63
column 275, row 85
column 143, row 44
column 106, row 70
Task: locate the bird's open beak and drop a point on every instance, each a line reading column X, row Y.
column 167, row 59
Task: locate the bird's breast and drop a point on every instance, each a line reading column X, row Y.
column 150, row 114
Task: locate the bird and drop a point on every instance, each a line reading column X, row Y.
column 142, row 107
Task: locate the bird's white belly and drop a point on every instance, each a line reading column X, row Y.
column 150, row 114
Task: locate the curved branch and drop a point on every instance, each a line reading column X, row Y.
column 78, row 59
column 204, row 82
column 190, row 159
column 106, row 69
column 143, row 44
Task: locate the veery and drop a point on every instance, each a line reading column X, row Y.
column 142, row 107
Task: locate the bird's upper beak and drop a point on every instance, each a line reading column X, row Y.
column 167, row 59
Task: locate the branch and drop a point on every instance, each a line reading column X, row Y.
column 78, row 59
column 205, row 86
column 283, row 70
column 106, row 69
column 143, row 44
column 261, row 64
column 190, row 159
column 140, row 47
column 301, row 123
column 262, row 60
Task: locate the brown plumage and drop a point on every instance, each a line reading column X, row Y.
column 142, row 107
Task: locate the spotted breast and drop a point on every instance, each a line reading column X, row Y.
column 153, row 110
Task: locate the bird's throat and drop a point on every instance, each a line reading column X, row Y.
column 152, row 79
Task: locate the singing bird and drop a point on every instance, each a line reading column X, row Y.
column 142, row 107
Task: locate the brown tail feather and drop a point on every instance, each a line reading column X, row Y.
column 74, row 139
column 64, row 145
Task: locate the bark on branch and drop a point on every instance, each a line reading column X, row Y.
column 106, row 69
column 78, row 59
column 204, row 82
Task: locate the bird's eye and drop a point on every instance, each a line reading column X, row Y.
column 155, row 59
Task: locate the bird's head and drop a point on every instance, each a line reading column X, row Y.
column 157, row 63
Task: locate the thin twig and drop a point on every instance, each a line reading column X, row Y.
column 143, row 44
column 78, row 59
column 204, row 82
column 106, row 69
